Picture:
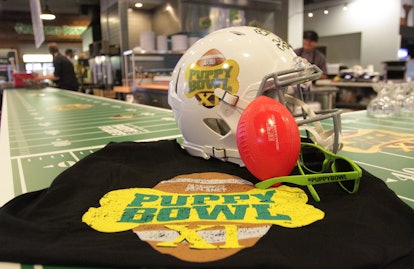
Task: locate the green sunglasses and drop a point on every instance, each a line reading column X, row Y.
column 316, row 165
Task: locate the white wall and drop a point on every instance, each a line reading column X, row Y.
column 378, row 21
column 295, row 23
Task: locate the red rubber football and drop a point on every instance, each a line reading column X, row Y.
column 268, row 138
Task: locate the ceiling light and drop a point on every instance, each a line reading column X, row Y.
column 47, row 13
column 138, row 5
column 345, row 8
column 310, row 14
column 326, row 11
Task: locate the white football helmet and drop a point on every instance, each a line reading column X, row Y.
column 222, row 73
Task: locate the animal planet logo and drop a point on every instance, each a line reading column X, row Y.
column 201, row 217
column 211, row 71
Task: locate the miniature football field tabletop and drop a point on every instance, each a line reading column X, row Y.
column 44, row 132
column 384, row 147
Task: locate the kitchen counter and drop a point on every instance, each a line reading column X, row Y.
column 155, row 94
column 351, row 94
column 328, row 82
column 153, row 86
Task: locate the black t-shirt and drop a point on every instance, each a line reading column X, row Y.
column 370, row 229
column 65, row 72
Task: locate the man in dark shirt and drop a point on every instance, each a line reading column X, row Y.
column 310, row 53
column 64, row 75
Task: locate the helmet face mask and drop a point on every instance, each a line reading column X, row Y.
column 224, row 73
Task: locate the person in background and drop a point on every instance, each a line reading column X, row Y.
column 69, row 53
column 310, row 53
column 64, row 75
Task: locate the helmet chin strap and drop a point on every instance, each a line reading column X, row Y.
column 222, row 153
column 328, row 139
column 231, row 99
column 206, row 152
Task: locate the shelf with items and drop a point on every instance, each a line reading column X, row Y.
column 140, row 68
column 147, row 74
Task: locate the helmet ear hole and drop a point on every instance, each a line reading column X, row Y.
column 219, row 126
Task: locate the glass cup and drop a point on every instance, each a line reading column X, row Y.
column 383, row 104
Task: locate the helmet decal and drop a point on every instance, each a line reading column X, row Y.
column 280, row 43
column 211, row 71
